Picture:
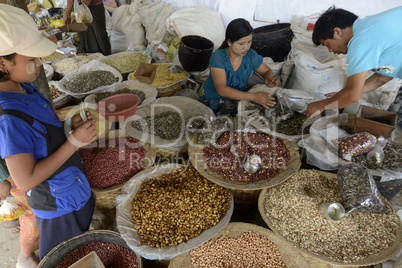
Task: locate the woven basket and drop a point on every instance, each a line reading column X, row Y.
column 169, row 90
column 60, row 251
column 105, row 199
column 245, row 193
column 291, row 257
column 320, row 261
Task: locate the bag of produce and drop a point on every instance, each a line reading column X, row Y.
column 358, row 190
column 355, row 144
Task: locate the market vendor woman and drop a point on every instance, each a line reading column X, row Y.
column 41, row 160
column 231, row 66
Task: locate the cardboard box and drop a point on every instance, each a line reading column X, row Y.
column 375, row 121
column 145, row 72
column 91, row 260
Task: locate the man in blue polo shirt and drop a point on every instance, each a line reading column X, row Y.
column 373, row 43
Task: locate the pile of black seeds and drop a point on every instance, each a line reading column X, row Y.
column 105, row 95
column 85, row 82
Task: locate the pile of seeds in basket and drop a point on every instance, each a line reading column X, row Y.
column 292, row 208
column 293, row 125
column 87, row 81
column 127, row 62
column 139, row 93
column 273, row 152
column 248, row 250
column 67, row 64
column 173, row 208
column 110, row 254
column 112, row 161
column 161, row 125
column 164, row 76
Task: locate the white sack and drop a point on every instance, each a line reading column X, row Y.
column 153, row 17
column 127, row 29
column 197, row 20
column 316, row 69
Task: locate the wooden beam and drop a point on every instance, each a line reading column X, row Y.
column 41, row 81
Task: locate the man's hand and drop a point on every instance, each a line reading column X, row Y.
column 314, row 109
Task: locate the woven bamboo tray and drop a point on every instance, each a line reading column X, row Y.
column 245, row 193
column 291, row 257
column 105, row 199
column 320, row 261
column 102, row 125
column 60, row 251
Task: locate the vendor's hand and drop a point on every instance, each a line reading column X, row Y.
column 87, row 2
column 328, row 95
column 264, row 99
column 272, row 81
column 83, row 135
column 314, row 109
column 5, row 188
column 76, row 120
column 66, row 18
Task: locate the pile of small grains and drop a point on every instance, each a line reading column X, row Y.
column 113, row 161
column 248, row 250
column 292, row 208
column 128, row 62
column 173, row 208
column 163, row 76
column 272, row 151
column 392, row 158
column 139, row 93
column 110, row 254
column 52, row 57
column 68, row 64
column 88, row 81
column 161, row 125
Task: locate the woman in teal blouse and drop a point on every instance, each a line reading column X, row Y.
column 231, row 66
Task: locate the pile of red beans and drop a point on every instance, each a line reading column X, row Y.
column 221, row 160
column 113, row 161
column 110, row 254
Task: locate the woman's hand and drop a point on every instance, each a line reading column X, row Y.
column 272, row 81
column 84, row 134
column 76, row 120
column 264, row 99
column 5, row 188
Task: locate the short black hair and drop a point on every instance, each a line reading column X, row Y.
column 236, row 29
column 333, row 17
column 4, row 77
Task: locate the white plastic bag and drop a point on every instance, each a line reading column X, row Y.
column 82, row 12
column 129, row 233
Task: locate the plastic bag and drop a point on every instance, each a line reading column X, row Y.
column 355, row 144
column 82, row 13
column 358, row 190
column 216, row 126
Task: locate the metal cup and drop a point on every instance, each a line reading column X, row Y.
column 332, row 211
column 253, row 163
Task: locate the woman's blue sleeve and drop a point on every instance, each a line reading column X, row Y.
column 256, row 59
column 217, row 60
